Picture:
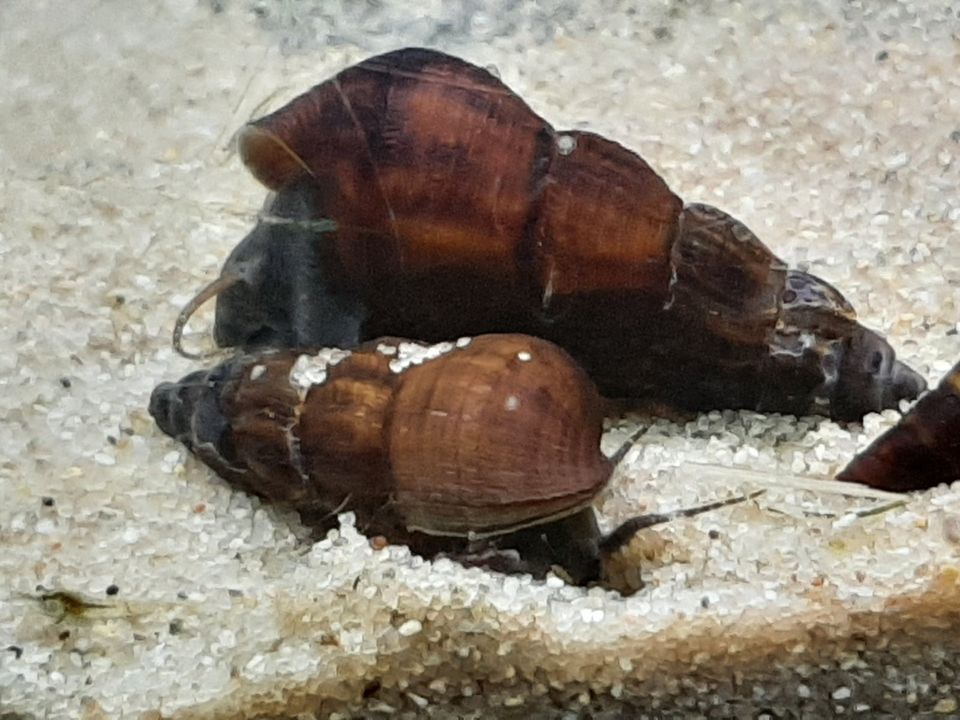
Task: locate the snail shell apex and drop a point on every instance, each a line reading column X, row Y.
column 919, row 452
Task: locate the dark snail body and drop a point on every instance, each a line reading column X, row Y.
column 459, row 211
column 919, row 452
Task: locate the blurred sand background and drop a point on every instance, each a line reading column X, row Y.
column 832, row 129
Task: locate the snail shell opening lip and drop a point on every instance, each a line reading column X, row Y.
column 495, row 531
column 271, row 160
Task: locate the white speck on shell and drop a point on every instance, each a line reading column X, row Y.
column 257, row 372
column 511, row 403
column 463, row 342
column 310, row 370
column 566, row 144
column 524, row 356
column 415, row 354
column 385, row 349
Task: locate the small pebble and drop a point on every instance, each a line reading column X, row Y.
column 410, row 627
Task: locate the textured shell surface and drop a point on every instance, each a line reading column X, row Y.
column 460, row 438
column 457, row 210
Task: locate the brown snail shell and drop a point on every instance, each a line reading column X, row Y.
column 467, row 439
column 919, row 452
column 457, row 210
column 486, row 449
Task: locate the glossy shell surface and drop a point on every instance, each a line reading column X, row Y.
column 922, row 450
column 480, row 436
column 457, row 210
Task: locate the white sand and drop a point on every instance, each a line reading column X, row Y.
column 832, row 131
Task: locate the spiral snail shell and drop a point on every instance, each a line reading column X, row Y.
column 414, row 194
column 486, row 449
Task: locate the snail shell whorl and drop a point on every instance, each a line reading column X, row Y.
column 461, row 438
column 459, row 211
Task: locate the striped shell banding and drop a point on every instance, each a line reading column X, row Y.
column 415, row 194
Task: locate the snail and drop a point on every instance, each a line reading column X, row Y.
column 415, row 194
column 921, row 451
column 486, row 450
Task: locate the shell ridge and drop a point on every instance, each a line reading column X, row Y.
column 386, row 64
column 525, row 253
column 373, row 162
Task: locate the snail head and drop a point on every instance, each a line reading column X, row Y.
column 272, row 290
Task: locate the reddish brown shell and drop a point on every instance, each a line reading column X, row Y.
column 420, row 157
column 476, row 437
column 921, row 451
column 451, row 208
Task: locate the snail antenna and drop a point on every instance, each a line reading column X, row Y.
column 626, row 446
column 211, row 290
column 625, row 532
